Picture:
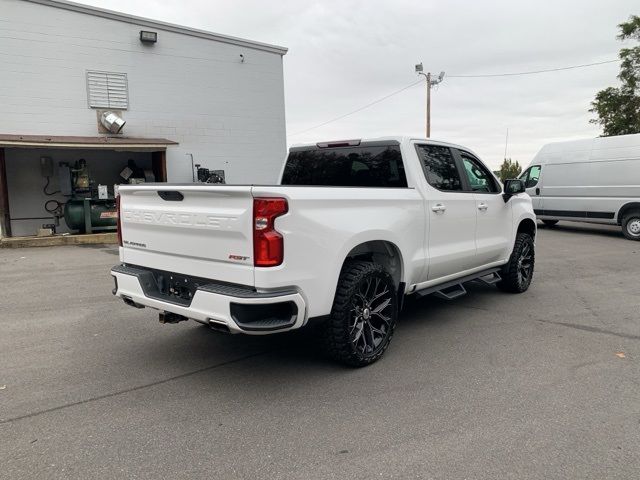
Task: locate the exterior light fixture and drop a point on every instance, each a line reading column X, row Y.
column 148, row 37
column 419, row 68
column 112, row 122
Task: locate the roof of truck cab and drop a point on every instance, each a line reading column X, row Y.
column 393, row 138
column 616, row 147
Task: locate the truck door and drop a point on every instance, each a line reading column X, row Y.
column 531, row 178
column 451, row 214
column 495, row 220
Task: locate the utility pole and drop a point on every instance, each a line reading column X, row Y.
column 430, row 82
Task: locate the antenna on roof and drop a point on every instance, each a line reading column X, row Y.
column 506, row 142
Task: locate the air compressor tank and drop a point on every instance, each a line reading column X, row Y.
column 101, row 215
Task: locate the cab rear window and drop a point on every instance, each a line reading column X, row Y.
column 361, row 166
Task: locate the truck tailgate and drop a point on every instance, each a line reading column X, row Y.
column 198, row 230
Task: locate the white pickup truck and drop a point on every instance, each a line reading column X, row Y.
column 352, row 228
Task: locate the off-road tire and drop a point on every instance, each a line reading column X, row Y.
column 630, row 224
column 550, row 223
column 522, row 261
column 346, row 333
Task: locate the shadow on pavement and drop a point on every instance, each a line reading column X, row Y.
column 197, row 342
column 586, row 228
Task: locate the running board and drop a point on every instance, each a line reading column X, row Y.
column 492, row 279
column 455, row 288
column 452, row 292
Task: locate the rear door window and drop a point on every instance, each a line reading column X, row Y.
column 362, row 166
column 439, row 167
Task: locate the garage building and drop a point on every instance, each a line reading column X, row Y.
column 72, row 74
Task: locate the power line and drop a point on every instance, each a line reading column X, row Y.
column 533, row 72
column 359, row 109
column 511, row 74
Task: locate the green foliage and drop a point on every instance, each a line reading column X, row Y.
column 618, row 108
column 509, row 169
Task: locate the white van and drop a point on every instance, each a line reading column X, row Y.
column 595, row 180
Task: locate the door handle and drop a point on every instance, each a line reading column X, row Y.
column 438, row 207
column 538, row 191
column 482, row 206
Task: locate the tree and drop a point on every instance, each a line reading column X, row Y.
column 509, row 169
column 618, row 108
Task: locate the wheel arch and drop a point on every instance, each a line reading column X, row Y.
column 627, row 207
column 527, row 225
column 384, row 252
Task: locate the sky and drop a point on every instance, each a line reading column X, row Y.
column 346, row 54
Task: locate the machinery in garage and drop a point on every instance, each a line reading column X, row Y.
column 210, row 176
column 90, row 214
column 90, row 207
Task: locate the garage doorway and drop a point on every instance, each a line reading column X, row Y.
column 67, row 185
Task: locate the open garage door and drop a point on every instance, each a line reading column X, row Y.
column 69, row 183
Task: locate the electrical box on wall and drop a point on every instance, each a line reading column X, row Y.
column 46, row 166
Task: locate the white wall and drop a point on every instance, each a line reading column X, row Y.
column 228, row 114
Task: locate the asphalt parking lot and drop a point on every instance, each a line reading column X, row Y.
column 540, row 385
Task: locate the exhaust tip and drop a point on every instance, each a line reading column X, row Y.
column 131, row 303
column 219, row 327
column 168, row 317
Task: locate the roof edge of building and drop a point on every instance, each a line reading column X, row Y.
column 170, row 27
column 79, row 142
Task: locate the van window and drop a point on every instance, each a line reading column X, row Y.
column 531, row 176
column 439, row 167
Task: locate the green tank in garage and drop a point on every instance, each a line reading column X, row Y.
column 102, row 215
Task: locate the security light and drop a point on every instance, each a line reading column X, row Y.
column 419, row 68
column 436, row 81
column 112, row 122
column 148, row 37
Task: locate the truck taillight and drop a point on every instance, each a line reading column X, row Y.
column 268, row 244
column 119, row 225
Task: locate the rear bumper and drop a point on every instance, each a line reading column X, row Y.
column 241, row 309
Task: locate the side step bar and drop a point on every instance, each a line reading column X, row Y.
column 492, row 279
column 452, row 292
column 455, row 288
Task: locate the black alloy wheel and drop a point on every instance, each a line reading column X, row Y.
column 525, row 264
column 363, row 316
column 518, row 272
column 370, row 315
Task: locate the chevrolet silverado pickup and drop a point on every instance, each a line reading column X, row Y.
column 350, row 230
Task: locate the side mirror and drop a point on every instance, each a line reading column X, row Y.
column 513, row 187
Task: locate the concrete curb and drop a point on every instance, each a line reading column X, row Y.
column 55, row 240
